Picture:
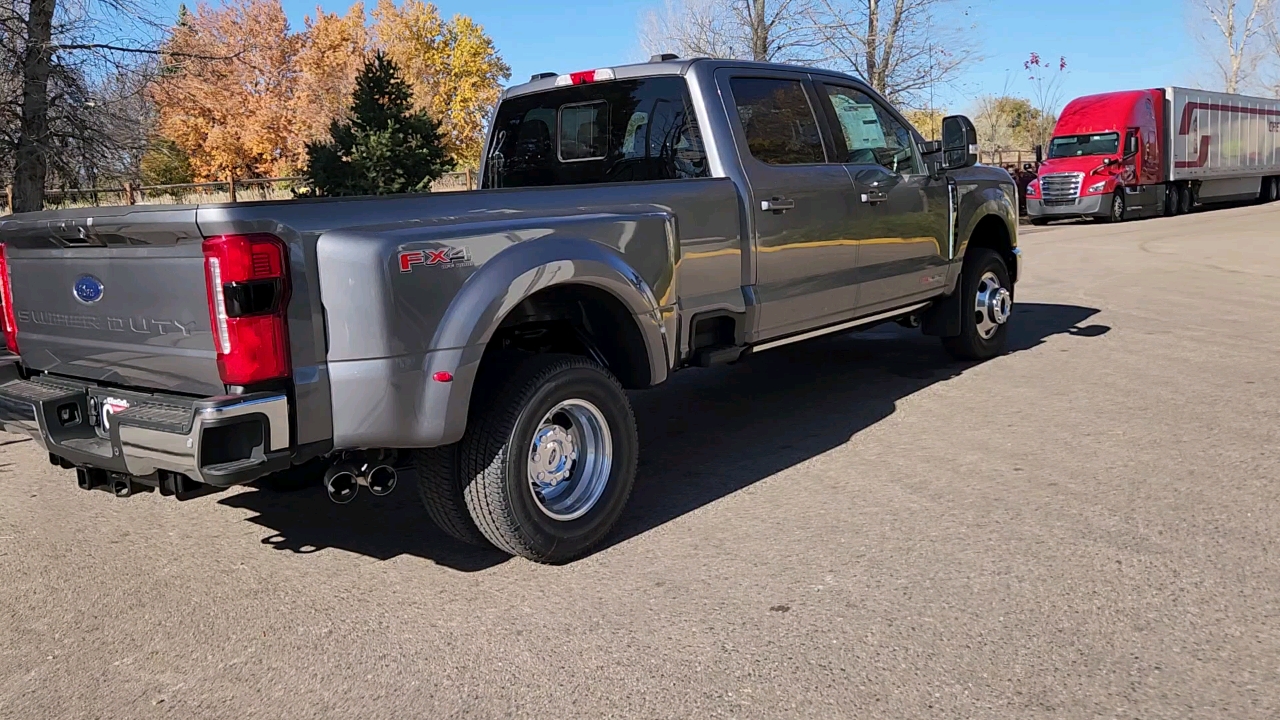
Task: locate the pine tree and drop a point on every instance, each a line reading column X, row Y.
column 385, row 148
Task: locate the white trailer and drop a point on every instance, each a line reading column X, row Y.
column 1224, row 145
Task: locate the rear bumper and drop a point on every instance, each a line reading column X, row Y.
column 1088, row 206
column 221, row 441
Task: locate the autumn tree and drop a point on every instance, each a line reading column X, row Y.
column 233, row 112
column 334, row 48
column 386, row 147
column 1005, row 122
column 452, row 66
column 928, row 121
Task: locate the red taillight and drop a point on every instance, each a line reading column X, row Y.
column 8, row 317
column 248, row 288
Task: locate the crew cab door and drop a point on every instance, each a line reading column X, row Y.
column 801, row 209
column 903, row 250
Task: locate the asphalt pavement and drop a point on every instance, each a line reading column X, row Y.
column 857, row 527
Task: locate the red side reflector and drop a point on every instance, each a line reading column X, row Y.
column 8, row 318
column 443, row 376
column 251, row 348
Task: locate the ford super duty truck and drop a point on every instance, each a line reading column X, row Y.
column 632, row 221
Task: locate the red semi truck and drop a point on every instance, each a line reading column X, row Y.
column 1142, row 153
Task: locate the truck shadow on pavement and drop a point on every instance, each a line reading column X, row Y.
column 703, row 435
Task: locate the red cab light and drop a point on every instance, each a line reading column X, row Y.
column 247, row 279
column 585, row 77
column 8, row 318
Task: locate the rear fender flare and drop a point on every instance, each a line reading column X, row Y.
column 515, row 274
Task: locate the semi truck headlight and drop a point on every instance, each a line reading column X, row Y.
column 1098, row 187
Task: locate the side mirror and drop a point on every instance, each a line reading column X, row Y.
column 1039, row 154
column 959, row 143
column 930, row 147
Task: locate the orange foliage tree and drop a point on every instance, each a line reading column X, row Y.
column 225, row 95
column 454, row 70
column 242, row 93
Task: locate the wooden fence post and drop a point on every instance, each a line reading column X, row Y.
column 469, row 186
column 128, row 193
column 231, row 186
column 8, row 197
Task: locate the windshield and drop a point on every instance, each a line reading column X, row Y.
column 621, row 131
column 1077, row 145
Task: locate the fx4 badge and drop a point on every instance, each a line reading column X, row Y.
column 448, row 257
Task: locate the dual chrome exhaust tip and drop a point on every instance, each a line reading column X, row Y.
column 343, row 480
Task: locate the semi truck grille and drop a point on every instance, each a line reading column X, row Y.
column 1061, row 188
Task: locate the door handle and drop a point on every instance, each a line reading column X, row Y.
column 874, row 197
column 777, row 205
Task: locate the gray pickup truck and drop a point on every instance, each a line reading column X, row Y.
column 633, row 221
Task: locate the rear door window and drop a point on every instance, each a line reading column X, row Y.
column 618, row 131
column 777, row 121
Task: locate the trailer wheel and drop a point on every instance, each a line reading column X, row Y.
column 1117, row 207
column 1170, row 200
column 1184, row 199
column 547, row 465
column 1272, row 192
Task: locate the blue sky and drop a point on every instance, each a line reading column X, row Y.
column 1108, row 44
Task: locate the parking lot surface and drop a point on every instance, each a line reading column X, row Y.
column 854, row 527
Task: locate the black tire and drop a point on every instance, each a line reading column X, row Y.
column 1170, row 200
column 1039, row 222
column 1117, row 208
column 1272, row 191
column 493, row 459
column 970, row 343
column 440, row 490
column 1186, row 201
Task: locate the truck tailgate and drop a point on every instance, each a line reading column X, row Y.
column 115, row 295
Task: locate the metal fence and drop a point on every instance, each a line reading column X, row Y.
column 230, row 190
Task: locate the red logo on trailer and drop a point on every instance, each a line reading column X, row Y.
column 453, row 256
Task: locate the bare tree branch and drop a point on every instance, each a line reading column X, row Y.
column 146, row 51
column 1233, row 47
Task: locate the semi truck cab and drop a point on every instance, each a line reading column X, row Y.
column 1144, row 153
column 1105, row 160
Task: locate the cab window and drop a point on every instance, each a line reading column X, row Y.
column 619, row 131
column 866, row 133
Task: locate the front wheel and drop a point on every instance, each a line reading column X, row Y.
column 1117, row 208
column 986, row 306
column 547, row 466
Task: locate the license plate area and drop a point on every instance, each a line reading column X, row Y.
column 102, row 409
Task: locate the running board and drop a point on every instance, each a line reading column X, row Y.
column 871, row 319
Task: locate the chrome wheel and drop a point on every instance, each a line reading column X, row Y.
column 570, row 459
column 1117, row 208
column 992, row 306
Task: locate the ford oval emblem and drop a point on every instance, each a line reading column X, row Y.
column 88, row 289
